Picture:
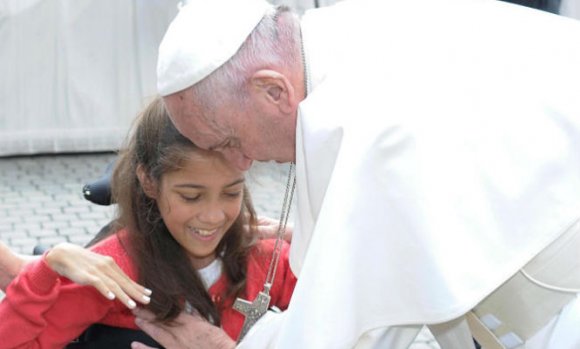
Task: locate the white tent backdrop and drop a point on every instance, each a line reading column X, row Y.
column 74, row 73
column 570, row 8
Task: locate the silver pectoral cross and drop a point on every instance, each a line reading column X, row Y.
column 253, row 311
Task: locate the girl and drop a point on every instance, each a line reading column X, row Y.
column 182, row 213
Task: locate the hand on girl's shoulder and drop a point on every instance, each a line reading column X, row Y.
column 106, row 267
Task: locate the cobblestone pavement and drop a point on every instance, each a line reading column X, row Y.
column 41, row 202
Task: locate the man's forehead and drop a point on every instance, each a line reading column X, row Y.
column 201, row 133
column 190, row 120
column 180, row 110
column 178, row 104
column 198, row 135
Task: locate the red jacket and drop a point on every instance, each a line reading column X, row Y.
column 43, row 310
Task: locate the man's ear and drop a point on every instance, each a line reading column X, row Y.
column 275, row 89
column 148, row 185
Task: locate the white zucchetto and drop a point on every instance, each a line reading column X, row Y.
column 203, row 36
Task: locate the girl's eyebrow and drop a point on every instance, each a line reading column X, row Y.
column 237, row 181
column 197, row 186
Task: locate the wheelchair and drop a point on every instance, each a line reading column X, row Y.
column 99, row 336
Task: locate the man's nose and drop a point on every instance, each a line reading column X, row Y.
column 238, row 159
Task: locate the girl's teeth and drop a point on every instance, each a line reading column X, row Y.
column 205, row 232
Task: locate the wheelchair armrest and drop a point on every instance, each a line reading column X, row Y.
column 102, row 336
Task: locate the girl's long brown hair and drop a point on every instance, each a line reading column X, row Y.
column 163, row 266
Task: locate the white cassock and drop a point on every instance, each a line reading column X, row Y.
column 438, row 152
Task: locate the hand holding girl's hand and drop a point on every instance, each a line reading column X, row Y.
column 268, row 228
column 188, row 332
column 89, row 268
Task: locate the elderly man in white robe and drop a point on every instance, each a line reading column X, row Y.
column 437, row 164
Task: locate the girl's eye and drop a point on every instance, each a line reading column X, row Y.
column 233, row 194
column 190, row 198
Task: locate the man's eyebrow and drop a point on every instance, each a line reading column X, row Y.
column 219, row 145
column 229, row 142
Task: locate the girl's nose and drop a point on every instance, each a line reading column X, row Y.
column 213, row 213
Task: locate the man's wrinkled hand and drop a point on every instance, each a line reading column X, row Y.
column 268, row 229
column 190, row 332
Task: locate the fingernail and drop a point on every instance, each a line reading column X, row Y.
column 131, row 303
column 148, row 291
column 146, row 299
column 110, row 295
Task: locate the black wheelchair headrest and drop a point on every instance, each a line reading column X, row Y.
column 99, row 191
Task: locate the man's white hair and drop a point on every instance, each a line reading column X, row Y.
column 273, row 44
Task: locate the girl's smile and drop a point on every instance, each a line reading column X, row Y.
column 199, row 202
